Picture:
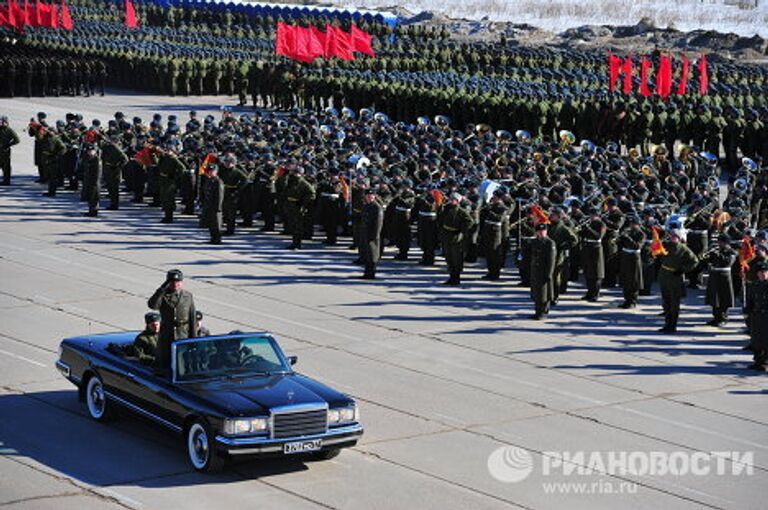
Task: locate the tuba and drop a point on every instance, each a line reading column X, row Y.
column 442, row 121
column 381, row 118
column 523, row 136
column 348, row 113
column 366, row 114
column 741, row 185
column 749, row 164
column 423, row 121
column 566, row 138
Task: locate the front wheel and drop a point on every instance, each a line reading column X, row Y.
column 96, row 400
column 201, row 450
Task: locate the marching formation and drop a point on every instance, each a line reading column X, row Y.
column 564, row 210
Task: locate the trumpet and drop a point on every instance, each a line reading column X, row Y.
column 706, row 208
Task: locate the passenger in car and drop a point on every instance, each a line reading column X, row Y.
column 145, row 343
column 201, row 330
column 230, row 354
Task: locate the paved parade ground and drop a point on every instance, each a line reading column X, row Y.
column 466, row 402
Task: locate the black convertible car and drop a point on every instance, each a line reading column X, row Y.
column 231, row 395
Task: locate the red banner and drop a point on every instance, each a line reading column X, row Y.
column 131, row 21
column 362, row 42
column 614, row 67
column 645, row 68
column 66, row 17
column 627, row 70
column 308, row 43
column 664, row 77
column 703, row 76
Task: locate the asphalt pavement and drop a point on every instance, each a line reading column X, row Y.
column 466, row 402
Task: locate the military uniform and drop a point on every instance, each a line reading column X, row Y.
column 678, row 261
column 630, row 266
column 543, row 261
column 8, row 138
column 91, row 164
column 494, row 236
column 299, row 197
column 720, row 294
column 113, row 160
column 454, row 223
column 592, row 257
column 372, row 220
column 212, row 205
column 169, row 171
column 145, row 347
column 565, row 239
column 177, row 321
column 757, row 307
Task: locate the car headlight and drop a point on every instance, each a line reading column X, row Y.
column 242, row 426
column 343, row 415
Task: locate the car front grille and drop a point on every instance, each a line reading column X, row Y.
column 298, row 422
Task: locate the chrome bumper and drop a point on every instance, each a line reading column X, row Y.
column 63, row 368
column 257, row 445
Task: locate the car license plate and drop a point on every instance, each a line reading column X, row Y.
column 302, row 446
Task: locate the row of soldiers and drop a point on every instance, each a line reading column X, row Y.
column 566, row 210
column 40, row 74
column 542, row 90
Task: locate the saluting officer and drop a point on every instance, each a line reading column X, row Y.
column 178, row 316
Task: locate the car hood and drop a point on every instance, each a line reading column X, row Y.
column 254, row 396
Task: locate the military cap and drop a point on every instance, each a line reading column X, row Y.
column 152, row 317
column 137, row 120
column 41, row 115
column 761, row 266
column 3, row 119
column 174, row 275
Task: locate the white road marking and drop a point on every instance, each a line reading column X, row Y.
column 22, row 358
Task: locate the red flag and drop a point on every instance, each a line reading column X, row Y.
column 316, row 42
column 362, row 41
column 210, row 158
column 146, row 156
column 66, row 17
column 285, row 42
column 627, row 70
column 3, row 17
column 657, row 247
column 438, row 196
column 614, row 66
column 47, row 15
column 747, row 252
column 30, row 15
column 338, row 43
column 16, row 15
column 703, row 76
column 344, row 188
column 664, row 77
column 538, row 215
column 303, row 49
column 645, row 67
column 682, row 86
column 130, row 15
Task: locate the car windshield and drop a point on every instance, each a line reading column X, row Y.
column 206, row 358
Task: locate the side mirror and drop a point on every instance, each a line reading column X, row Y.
column 293, row 359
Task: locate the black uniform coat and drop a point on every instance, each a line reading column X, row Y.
column 720, row 284
column 543, row 255
column 757, row 307
column 372, row 221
